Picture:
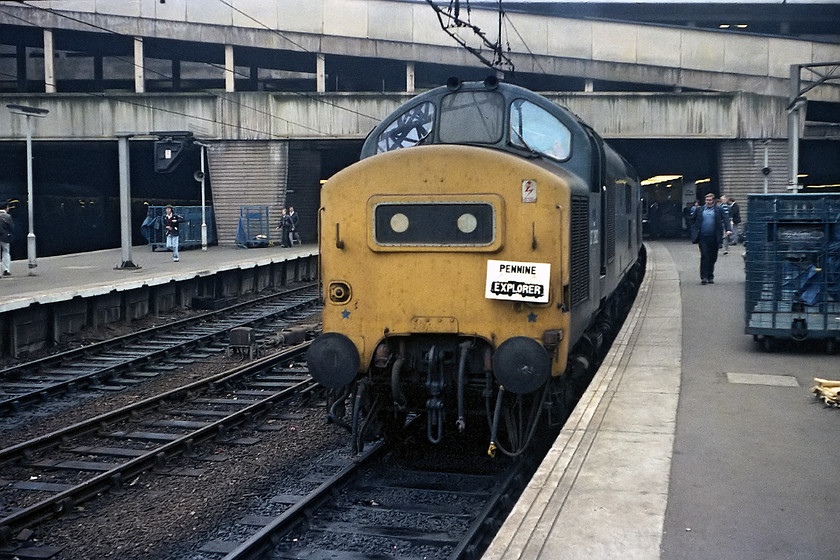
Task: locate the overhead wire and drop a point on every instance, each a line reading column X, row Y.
column 450, row 18
column 162, row 109
column 500, row 59
column 302, row 48
column 237, row 126
column 525, row 43
column 261, row 24
column 209, row 92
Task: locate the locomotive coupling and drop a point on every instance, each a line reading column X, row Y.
column 333, row 360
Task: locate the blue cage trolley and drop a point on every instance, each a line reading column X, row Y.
column 154, row 231
column 254, row 229
column 793, row 268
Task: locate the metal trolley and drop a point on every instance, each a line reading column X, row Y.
column 190, row 231
column 254, row 229
column 793, row 268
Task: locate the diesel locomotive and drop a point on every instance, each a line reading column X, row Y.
column 473, row 263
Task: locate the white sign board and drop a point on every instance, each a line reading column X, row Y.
column 517, row 281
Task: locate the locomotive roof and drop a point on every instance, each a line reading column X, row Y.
column 435, row 96
column 490, row 114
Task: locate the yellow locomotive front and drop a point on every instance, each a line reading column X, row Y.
column 445, row 266
column 444, row 277
column 444, row 239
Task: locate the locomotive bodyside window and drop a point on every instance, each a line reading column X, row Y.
column 537, row 130
column 434, row 224
column 472, row 117
column 409, row 129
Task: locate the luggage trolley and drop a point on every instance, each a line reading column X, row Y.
column 254, row 229
column 190, row 230
column 793, row 268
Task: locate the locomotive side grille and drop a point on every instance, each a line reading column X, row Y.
column 610, row 218
column 579, row 259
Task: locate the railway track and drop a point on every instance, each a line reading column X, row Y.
column 117, row 363
column 387, row 504
column 51, row 474
column 380, row 504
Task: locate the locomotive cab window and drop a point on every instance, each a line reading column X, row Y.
column 536, row 130
column 472, row 117
column 408, row 129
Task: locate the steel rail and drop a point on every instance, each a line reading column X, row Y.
column 14, row 402
column 47, row 361
column 259, row 545
column 92, row 424
column 63, row 501
column 468, row 548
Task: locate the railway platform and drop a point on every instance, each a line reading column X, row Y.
column 691, row 442
column 66, row 293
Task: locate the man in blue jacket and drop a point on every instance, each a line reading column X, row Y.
column 708, row 224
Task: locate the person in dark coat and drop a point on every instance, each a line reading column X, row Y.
column 293, row 220
column 285, row 227
column 654, row 225
column 708, row 224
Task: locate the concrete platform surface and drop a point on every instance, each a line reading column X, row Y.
column 691, row 442
column 64, row 277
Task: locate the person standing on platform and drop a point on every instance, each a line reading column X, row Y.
column 708, row 224
column 6, row 226
column 284, row 225
column 653, row 220
column 735, row 216
column 172, row 223
column 293, row 222
column 686, row 213
column 724, row 204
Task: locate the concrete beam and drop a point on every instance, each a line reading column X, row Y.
column 242, row 116
column 691, row 58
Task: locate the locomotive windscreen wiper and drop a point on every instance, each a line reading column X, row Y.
column 424, row 137
column 532, row 151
